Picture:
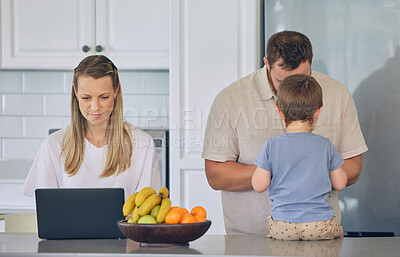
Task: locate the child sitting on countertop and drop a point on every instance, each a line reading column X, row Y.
column 300, row 168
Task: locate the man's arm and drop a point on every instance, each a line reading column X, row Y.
column 352, row 167
column 229, row 176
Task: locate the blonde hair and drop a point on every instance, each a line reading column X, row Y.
column 118, row 133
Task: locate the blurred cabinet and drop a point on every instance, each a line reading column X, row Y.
column 57, row 34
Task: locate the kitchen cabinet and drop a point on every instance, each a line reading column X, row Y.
column 213, row 43
column 57, row 34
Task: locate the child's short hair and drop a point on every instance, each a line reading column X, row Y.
column 299, row 97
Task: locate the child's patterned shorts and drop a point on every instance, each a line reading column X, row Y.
column 316, row 230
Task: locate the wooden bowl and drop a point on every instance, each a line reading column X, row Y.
column 163, row 234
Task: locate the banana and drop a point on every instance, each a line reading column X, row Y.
column 129, row 204
column 164, row 209
column 148, row 204
column 155, row 210
column 163, row 192
column 135, row 216
column 143, row 194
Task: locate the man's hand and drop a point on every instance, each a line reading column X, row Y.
column 352, row 167
column 229, row 176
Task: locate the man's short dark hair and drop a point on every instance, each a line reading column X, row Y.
column 289, row 49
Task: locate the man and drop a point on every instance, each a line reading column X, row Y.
column 243, row 117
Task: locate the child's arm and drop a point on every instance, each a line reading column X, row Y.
column 338, row 178
column 261, row 180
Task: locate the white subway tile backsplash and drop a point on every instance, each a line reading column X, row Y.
column 157, row 82
column 10, row 82
column 66, row 121
column 67, row 82
column 13, row 104
column 145, row 105
column 24, row 149
column 149, row 123
column 32, row 102
column 166, row 111
column 57, row 105
column 38, row 127
column 131, row 82
column 42, row 82
column 10, row 127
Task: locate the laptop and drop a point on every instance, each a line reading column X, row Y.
column 77, row 213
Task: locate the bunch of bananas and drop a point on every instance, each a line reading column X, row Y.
column 146, row 206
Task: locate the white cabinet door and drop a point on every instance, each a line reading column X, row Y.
column 213, row 43
column 45, row 34
column 57, row 34
column 134, row 33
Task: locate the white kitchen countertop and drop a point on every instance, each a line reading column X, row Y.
column 20, row 244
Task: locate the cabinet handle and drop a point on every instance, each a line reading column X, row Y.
column 85, row 48
column 99, row 48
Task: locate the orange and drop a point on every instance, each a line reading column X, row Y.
column 185, row 210
column 199, row 218
column 177, row 208
column 187, row 218
column 198, row 210
column 173, row 216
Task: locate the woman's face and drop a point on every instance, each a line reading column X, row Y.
column 96, row 99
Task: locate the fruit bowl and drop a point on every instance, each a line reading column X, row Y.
column 163, row 234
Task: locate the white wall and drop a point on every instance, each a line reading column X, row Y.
column 206, row 56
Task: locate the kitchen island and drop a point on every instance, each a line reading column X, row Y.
column 28, row 244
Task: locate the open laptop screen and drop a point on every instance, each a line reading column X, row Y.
column 73, row 213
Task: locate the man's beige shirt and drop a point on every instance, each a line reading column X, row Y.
column 241, row 120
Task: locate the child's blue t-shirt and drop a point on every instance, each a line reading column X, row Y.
column 300, row 186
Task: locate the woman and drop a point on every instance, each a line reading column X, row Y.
column 98, row 149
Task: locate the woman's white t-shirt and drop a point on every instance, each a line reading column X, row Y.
column 47, row 170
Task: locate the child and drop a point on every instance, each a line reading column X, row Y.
column 300, row 168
